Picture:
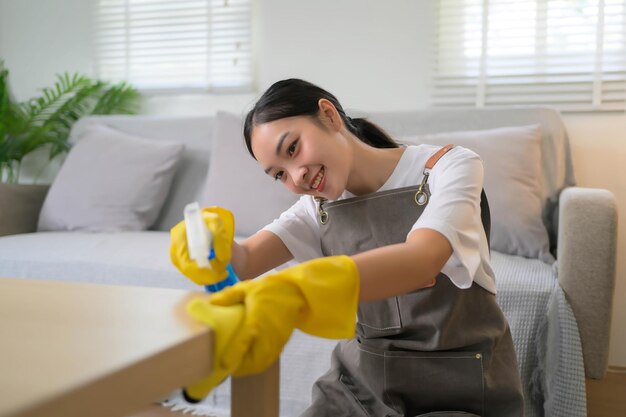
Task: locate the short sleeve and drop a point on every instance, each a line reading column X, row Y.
column 453, row 210
column 298, row 229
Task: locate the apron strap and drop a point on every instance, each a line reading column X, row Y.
column 437, row 156
column 422, row 195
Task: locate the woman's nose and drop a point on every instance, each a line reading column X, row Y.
column 299, row 177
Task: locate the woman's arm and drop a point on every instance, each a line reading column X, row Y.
column 258, row 254
column 404, row 267
column 401, row 268
column 449, row 226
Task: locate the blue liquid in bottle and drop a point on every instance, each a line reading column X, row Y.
column 231, row 279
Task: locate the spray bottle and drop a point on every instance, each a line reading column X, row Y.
column 200, row 244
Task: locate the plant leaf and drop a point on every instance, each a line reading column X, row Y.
column 46, row 120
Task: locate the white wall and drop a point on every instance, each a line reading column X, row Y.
column 1, row 25
column 42, row 38
column 372, row 54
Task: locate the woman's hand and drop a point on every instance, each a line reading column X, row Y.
column 252, row 320
column 296, row 297
column 225, row 323
column 221, row 224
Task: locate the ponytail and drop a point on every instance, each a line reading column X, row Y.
column 370, row 133
column 294, row 97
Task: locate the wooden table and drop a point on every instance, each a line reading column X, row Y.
column 69, row 349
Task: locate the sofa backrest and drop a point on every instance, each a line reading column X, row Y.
column 196, row 133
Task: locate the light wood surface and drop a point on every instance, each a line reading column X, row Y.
column 607, row 397
column 253, row 396
column 70, row 349
column 264, row 387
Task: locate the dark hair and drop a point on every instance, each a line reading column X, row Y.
column 294, row 97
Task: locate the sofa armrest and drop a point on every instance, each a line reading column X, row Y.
column 586, row 254
column 20, row 205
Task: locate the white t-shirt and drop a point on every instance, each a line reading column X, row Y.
column 453, row 210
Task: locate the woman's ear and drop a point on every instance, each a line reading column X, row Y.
column 329, row 115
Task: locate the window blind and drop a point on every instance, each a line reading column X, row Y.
column 175, row 45
column 566, row 54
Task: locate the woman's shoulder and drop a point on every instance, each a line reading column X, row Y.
column 458, row 161
column 426, row 150
column 416, row 156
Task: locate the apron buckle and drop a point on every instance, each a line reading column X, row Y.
column 322, row 215
column 421, row 196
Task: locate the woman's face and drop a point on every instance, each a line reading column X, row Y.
column 307, row 156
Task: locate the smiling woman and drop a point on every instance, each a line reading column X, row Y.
column 397, row 232
column 315, row 128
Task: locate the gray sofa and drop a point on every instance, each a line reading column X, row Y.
column 556, row 349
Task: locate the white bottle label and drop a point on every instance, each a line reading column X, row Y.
column 199, row 237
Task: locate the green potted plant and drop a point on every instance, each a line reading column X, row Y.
column 45, row 122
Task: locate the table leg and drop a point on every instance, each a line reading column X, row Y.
column 256, row 395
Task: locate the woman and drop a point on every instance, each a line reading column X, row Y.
column 400, row 227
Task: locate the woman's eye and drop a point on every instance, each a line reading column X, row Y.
column 292, row 148
column 279, row 175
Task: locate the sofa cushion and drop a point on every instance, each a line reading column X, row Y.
column 513, row 184
column 122, row 258
column 237, row 182
column 110, row 181
column 195, row 132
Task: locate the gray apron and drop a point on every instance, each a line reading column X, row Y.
column 438, row 351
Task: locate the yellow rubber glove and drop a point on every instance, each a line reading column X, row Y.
column 226, row 322
column 320, row 297
column 221, row 223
